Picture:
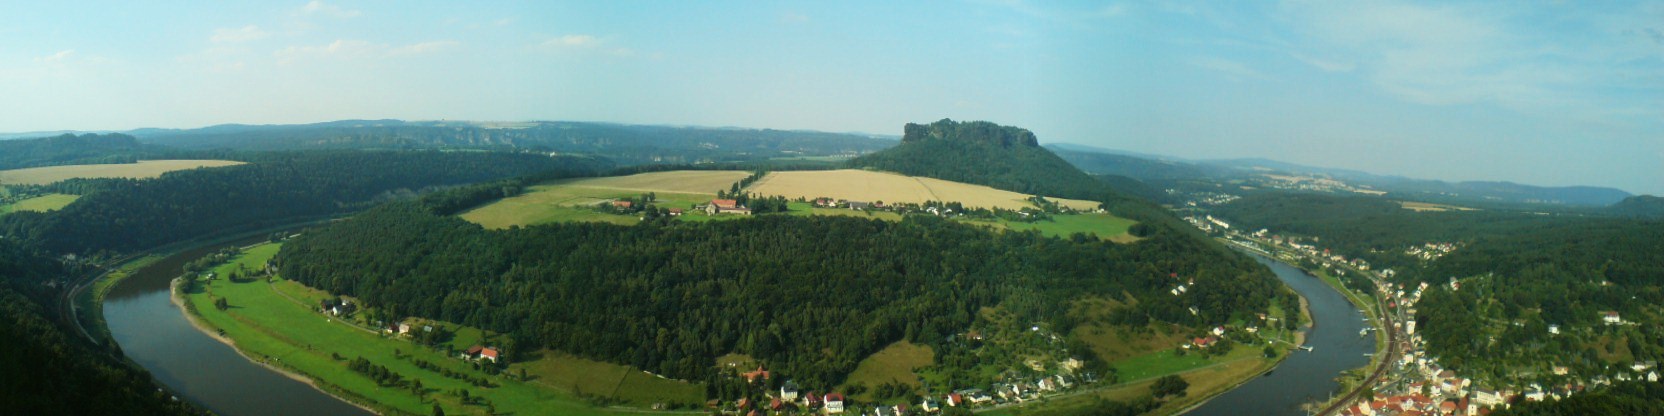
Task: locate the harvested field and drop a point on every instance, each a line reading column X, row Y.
column 681, row 181
column 142, row 170
column 870, row 186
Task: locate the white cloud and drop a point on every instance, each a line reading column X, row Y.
column 339, row 48
column 1229, row 67
column 56, row 57
column 316, row 7
column 238, row 35
column 424, row 47
column 1324, row 64
column 350, row 49
column 573, row 41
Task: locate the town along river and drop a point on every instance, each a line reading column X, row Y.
column 155, row 333
column 1306, row 376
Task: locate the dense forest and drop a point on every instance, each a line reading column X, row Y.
column 45, row 370
column 1621, row 399
column 274, row 188
column 71, row 149
column 810, row 295
column 626, row 144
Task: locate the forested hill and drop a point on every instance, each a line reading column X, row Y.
column 812, row 296
column 985, row 153
column 69, row 149
column 1640, row 206
column 46, row 371
column 627, row 144
column 273, row 189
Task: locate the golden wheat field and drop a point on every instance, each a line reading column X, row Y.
column 870, row 186
column 142, row 170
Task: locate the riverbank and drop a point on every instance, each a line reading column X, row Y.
column 214, row 333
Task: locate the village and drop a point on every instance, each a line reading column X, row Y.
column 1414, row 382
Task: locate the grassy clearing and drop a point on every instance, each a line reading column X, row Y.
column 1216, row 377
column 142, row 170
column 862, row 185
column 894, row 363
column 43, row 203
column 274, row 329
column 1431, row 207
column 1113, row 343
column 1106, row 226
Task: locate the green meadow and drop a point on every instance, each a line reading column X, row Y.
column 275, row 322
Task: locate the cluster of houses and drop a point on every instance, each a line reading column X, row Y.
column 1200, row 199
column 792, row 399
column 1430, row 251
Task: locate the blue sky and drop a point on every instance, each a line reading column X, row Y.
column 1548, row 93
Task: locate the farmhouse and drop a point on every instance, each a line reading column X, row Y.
column 1611, row 318
column 675, row 212
column 858, row 205
column 726, row 206
column 622, row 204
column 478, row 352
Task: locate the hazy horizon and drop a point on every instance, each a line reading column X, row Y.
column 1544, row 94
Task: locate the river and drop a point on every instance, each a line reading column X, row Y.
column 154, row 332
column 1305, row 376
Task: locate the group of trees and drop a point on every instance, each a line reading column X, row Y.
column 813, row 296
column 70, row 149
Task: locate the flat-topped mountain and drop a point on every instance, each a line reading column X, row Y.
column 985, row 153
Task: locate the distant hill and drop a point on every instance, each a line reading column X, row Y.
column 629, row 144
column 985, row 153
column 1436, row 190
column 1144, row 168
column 1640, row 206
column 70, row 149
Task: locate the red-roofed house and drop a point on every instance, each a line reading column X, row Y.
column 754, row 375
column 489, row 354
column 834, row 403
column 472, row 352
column 622, row 204
column 726, row 206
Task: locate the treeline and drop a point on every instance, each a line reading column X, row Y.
column 70, row 149
column 627, row 144
column 46, row 370
column 272, row 189
column 811, row 296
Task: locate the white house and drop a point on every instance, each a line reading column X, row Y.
column 1611, row 318
column 834, row 403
